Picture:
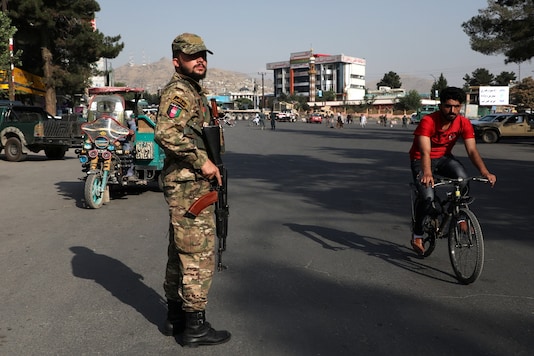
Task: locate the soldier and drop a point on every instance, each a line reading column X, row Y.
column 187, row 172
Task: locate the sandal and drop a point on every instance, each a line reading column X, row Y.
column 417, row 245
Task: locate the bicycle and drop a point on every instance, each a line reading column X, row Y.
column 452, row 219
column 226, row 120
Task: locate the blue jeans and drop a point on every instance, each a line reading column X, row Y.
column 446, row 166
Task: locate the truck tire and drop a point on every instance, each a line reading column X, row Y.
column 55, row 152
column 13, row 150
column 490, row 136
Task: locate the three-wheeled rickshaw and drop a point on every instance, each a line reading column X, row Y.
column 119, row 150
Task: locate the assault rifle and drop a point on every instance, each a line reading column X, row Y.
column 219, row 193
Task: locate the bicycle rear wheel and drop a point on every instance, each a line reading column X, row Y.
column 466, row 246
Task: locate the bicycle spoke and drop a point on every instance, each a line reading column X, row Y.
column 466, row 249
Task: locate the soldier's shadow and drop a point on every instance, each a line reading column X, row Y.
column 123, row 283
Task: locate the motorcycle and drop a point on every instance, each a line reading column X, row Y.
column 114, row 156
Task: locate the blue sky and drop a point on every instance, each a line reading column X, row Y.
column 420, row 38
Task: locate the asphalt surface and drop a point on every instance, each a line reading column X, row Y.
column 318, row 255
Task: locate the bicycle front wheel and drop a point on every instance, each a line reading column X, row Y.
column 466, row 246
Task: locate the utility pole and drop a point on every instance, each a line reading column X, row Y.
column 10, row 79
column 262, row 89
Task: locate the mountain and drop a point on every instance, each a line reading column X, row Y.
column 421, row 85
column 154, row 76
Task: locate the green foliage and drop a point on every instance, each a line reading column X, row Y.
column 244, row 103
column 480, row 76
column 367, row 102
column 437, row 87
column 63, row 29
column 504, row 27
column 522, row 94
column 505, row 78
column 6, row 32
column 411, row 101
column 390, row 79
column 328, row 95
column 152, row 99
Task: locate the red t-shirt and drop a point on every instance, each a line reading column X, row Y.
column 442, row 141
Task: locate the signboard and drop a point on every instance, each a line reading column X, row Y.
column 471, row 111
column 24, row 82
column 489, row 96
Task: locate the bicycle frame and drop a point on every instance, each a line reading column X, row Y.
column 451, row 205
column 454, row 221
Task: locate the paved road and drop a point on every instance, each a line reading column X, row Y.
column 318, row 255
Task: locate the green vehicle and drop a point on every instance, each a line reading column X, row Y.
column 119, row 150
column 25, row 129
column 421, row 112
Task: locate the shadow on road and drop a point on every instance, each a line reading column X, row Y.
column 123, row 283
column 75, row 191
column 397, row 255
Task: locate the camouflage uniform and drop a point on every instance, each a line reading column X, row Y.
column 183, row 112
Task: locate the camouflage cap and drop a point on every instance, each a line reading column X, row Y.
column 189, row 43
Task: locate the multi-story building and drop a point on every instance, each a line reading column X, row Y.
column 312, row 74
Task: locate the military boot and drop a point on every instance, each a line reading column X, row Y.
column 199, row 332
column 175, row 323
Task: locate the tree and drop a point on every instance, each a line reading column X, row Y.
column 6, row 32
column 60, row 43
column 6, row 58
column 328, row 95
column 298, row 101
column 504, row 27
column 437, row 87
column 505, row 78
column 411, row 101
column 480, row 76
column 390, row 79
column 522, row 94
column 367, row 101
column 244, row 103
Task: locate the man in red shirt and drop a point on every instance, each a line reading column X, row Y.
column 431, row 153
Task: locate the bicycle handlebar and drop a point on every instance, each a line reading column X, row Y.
column 446, row 181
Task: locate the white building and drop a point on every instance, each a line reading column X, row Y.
column 310, row 73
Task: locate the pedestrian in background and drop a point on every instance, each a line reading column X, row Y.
column 262, row 120
column 363, row 120
column 339, row 124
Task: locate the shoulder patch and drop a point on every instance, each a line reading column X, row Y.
column 176, row 106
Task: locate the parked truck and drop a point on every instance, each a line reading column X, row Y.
column 491, row 128
column 25, row 129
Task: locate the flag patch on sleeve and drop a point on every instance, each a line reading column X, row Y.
column 174, row 111
column 176, row 106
